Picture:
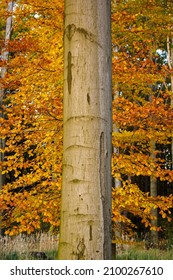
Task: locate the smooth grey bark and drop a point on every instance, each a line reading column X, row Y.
column 85, row 229
column 170, row 64
column 4, row 58
column 153, row 192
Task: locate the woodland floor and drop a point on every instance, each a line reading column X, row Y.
column 22, row 247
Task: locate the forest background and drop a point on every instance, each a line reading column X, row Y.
column 31, row 128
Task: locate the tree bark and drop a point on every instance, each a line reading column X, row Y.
column 85, row 231
column 4, row 57
column 153, row 192
column 170, row 64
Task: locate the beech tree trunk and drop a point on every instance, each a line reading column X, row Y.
column 153, row 192
column 4, row 58
column 85, row 230
column 170, row 64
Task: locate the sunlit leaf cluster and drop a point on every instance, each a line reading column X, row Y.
column 142, row 109
column 31, row 123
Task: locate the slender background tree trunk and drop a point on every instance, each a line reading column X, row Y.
column 153, row 192
column 4, row 58
column 85, row 231
column 170, row 64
